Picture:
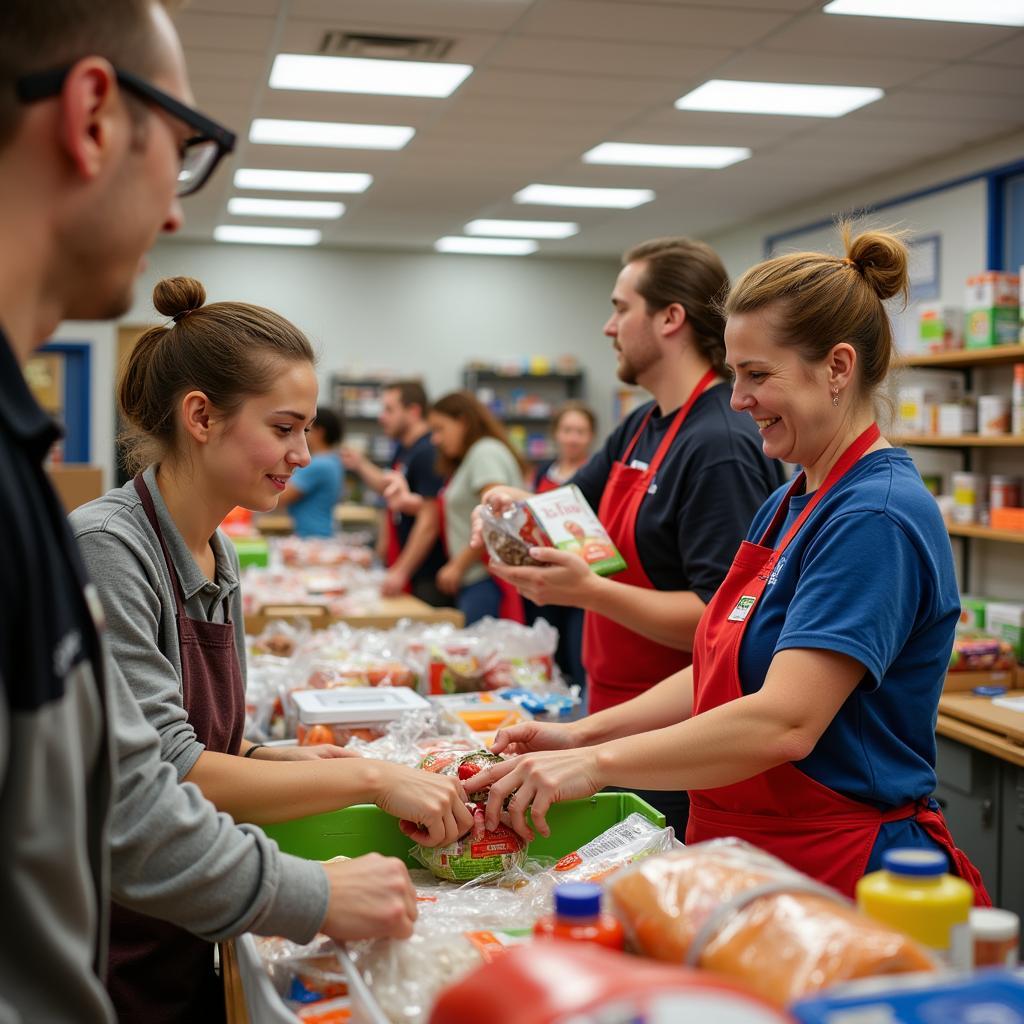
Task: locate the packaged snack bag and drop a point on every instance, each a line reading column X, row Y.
column 560, row 519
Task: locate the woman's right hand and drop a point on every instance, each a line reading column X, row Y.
column 431, row 808
column 371, row 897
column 497, row 500
column 529, row 736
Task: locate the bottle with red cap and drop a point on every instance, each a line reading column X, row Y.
column 578, row 918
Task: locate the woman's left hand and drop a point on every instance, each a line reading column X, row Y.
column 314, row 752
column 535, row 782
column 565, row 578
column 449, row 578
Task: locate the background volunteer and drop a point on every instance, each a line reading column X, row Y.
column 410, row 542
column 314, row 490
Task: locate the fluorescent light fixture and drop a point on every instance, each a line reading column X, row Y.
column 486, row 246
column 329, row 133
column 976, row 12
column 570, row 195
column 301, row 181
column 523, row 228
column 266, row 236
column 638, row 155
column 248, row 206
column 778, row 98
column 365, row 75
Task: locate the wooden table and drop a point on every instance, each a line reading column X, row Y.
column 347, row 516
column 234, row 996
column 384, row 615
column 977, row 722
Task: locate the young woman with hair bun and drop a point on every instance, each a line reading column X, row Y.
column 806, row 724
column 218, row 402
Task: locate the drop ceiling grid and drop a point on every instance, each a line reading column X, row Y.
column 555, row 77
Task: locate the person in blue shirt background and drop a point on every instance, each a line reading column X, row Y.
column 314, row 490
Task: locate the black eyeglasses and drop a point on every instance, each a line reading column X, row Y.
column 200, row 153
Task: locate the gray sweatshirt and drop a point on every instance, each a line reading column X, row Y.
column 125, row 560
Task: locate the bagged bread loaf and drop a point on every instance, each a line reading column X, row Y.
column 728, row 907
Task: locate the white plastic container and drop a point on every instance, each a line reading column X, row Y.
column 993, row 415
column 969, row 490
column 956, row 418
column 356, row 705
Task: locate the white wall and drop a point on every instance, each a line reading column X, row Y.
column 417, row 314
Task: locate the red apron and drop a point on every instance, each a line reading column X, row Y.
column 160, row 973
column 783, row 810
column 620, row 663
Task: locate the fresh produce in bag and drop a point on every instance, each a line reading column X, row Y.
column 559, row 982
column 481, row 852
column 728, row 907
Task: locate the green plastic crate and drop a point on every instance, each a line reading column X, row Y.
column 367, row 829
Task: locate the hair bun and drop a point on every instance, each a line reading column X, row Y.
column 176, row 296
column 882, row 258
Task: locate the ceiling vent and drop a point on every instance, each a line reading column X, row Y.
column 336, row 43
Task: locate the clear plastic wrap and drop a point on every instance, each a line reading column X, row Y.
column 459, row 928
column 408, row 739
column 304, row 975
column 508, row 536
column 726, row 906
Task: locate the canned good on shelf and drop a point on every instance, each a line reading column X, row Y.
column 1004, row 492
column 969, row 490
column 993, row 415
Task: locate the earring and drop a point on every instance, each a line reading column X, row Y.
column 835, row 395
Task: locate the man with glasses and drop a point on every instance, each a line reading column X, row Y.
column 97, row 142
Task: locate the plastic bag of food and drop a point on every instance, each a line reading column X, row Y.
column 728, row 907
column 304, row 974
column 408, row 739
column 508, row 536
column 458, row 929
column 281, row 638
column 481, row 852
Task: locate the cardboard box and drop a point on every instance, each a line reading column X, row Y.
column 1006, row 621
column 570, row 524
column 992, row 310
column 972, row 612
column 940, row 328
column 76, row 483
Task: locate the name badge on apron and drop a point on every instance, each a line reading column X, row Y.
column 742, row 609
column 639, row 464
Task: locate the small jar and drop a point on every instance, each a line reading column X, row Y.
column 996, row 935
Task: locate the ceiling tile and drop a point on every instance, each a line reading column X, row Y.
column 651, row 23
column 583, row 88
column 613, row 59
column 1010, row 52
column 760, row 65
column 884, row 37
column 404, row 15
column 991, row 79
column 231, row 33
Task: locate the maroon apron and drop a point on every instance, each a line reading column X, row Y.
column 160, row 973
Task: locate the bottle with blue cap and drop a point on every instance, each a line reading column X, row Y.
column 578, row 918
column 915, row 893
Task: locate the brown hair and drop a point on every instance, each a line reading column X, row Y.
column 573, row 406
column 479, row 422
column 410, row 392
column 227, row 350
column 818, row 300
column 40, row 35
column 690, row 273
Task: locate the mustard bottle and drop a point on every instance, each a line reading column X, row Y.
column 914, row 893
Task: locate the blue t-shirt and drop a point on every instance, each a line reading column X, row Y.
column 870, row 574
column 321, row 485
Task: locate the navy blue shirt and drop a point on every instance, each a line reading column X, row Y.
column 418, row 462
column 871, row 575
column 713, row 480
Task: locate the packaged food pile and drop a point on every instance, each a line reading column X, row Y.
column 321, row 552
column 728, row 907
column 980, row 652
column 490, row 658
column 560, row 518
